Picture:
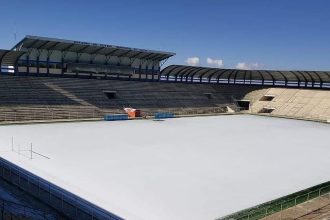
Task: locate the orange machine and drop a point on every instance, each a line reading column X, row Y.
column 132, row 113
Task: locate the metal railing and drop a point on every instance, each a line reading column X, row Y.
column 280, row 204
column 97, row 114
column 47, row 115
column 191, row 111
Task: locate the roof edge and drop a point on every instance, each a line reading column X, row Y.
column 33, row 37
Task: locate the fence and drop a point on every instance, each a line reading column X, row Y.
column 63, row 201
column 31, row 115
column 280, row 204
column 45, row 115
column 189, row 111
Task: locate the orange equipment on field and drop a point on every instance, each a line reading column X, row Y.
column 132, row 113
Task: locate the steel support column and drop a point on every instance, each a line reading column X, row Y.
column 310, row 76
column 16, row 70
column 319, row 77
column 321, row 80
column 47, row 64
column 244, row 79
column 271, row 76
column 62, row 66
column 152, row 72
column 170, row 71
column 297, row 77
column 146, row 72
column 38, row 64
column 1, row 58
column 213, row 74
column 28, row 64
column 178, row 73
column 194, row 72
column 230, row 74
column 235, row 76
column 203, row 74
column 186, row 73
column 262, row 77
column 284, row 77
column 159, row 73
column 218, row 77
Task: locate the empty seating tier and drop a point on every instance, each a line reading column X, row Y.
column 26, row 98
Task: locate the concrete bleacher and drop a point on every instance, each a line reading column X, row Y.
column 26, row 98
column 308, row 104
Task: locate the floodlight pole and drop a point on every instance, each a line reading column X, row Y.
column 12, row 143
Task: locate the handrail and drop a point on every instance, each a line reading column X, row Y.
column 50, row 114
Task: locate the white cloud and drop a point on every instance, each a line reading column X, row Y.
column 248, row 66
column 193, row 61
column 214, row 62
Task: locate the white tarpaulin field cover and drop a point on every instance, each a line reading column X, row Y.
column 187, row 168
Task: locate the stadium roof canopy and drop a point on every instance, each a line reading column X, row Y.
column 268, row 77
column 39, row 43
column 9, row 57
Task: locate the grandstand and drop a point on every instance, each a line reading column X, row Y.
column 51, row 98
column 51, row 80
column 45, row 98
column 50, row 56
column 46, row 79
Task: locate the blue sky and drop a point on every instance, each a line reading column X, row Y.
column 264, row 34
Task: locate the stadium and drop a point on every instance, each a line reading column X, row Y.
column 97, row 131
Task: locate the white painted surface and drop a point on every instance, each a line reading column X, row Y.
column 187, row 168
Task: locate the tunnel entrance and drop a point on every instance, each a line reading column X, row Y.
column 243, row 104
